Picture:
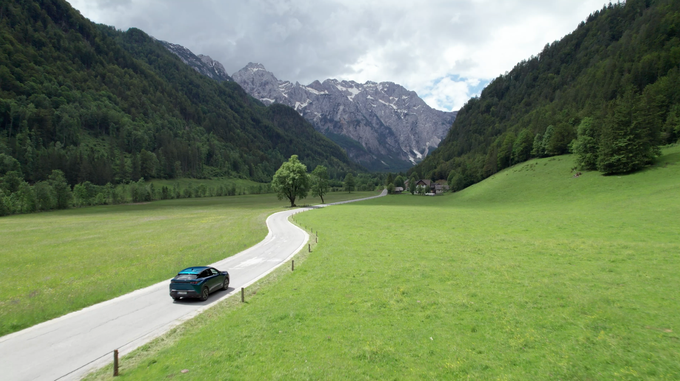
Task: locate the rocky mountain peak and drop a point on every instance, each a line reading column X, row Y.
column 202, row 64
column 254, row 66
column 382, row 125
column 215, row 65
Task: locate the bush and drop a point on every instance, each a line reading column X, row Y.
column 5, row 208
column 43, row 195
column 62, row 191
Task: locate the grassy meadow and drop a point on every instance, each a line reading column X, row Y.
column 531, row 274
column 66, row 260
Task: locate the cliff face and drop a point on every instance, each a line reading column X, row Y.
column 202, row 64
column 383, row 126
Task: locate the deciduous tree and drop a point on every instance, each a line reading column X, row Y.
column 412, row 183
column 319, row 182
column 62, row 191
column 291, row 180
column 349, row 182
column 521, row 148
column 399, row 181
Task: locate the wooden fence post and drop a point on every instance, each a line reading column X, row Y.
column 243, row 295
column 115, row 363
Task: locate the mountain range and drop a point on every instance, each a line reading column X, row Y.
column 382, row 126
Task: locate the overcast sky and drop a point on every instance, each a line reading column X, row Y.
column 446, row 51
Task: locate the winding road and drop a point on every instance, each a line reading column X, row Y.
column 69, row 347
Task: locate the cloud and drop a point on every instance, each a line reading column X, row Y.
column 452, row 90
column 437, row 48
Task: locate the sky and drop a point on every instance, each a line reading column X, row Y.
column 444, row 50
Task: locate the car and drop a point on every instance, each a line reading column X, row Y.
column 198, row 282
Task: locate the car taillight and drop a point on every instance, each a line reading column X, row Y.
column 195, row 282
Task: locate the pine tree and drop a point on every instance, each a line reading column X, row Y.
column 627, row 141
column 537, row 148
column 136, row 170
column 547, row 137
column 505, row 152
column 587, row 146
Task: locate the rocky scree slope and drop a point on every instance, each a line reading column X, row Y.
column 383, row 126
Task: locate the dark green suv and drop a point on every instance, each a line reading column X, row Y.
column 198, row 282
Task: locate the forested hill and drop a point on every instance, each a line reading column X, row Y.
column 104, row 105
column 609, row 92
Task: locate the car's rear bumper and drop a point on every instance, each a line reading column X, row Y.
column 184, row 294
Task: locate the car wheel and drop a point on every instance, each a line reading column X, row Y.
column 225, row 286
column 205, row 293
column 175, row 298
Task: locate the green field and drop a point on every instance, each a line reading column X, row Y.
column 531, row 274
column 67, row 260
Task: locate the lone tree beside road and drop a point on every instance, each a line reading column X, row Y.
column 349, row 183
column 291, row 180
column 320, row 184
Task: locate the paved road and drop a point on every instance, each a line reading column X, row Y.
column 68, row 347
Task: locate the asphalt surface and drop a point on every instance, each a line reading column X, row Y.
column 69, row 347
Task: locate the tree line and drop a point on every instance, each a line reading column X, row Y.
column 608, row 92
column 18, row 196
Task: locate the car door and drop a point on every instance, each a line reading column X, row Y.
column 215, row 279
column 205, row 275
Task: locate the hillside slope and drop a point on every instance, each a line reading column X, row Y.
column 615, row 79
column 109, row 106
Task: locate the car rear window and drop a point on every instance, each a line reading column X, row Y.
column 186, row 276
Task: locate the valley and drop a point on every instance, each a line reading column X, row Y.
column 531, row 235
column 530, row 274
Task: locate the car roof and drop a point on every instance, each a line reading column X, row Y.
column 194, row 270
